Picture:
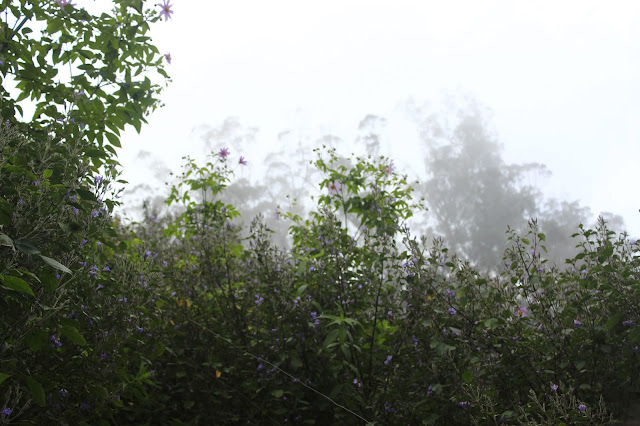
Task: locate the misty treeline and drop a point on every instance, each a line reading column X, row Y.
column 474, row 197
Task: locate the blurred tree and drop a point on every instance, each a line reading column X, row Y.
column 473, row 194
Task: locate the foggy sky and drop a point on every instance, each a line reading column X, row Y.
column 560, row 78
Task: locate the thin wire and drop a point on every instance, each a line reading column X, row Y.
column 295, row 379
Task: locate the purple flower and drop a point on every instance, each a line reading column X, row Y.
column 223, row 153
column 582, row 407
column 429, row 390
column 55, row 340
column 627, row 323
column 388, row 360
column 577, row 323
column 140, row 329
column 334, row 187
column 242, row 161
column 95, row 213
column 521, row 312
column 452, row 311
column 390, row 168
column 84, row 406
column 106, row 269
column 166, row 10
column 63, row 393
column 355, row 381
column 464, row 404
column 63, row 3
column 167, row 56
column 83, row 242
column 6, row 411
column 554, row 387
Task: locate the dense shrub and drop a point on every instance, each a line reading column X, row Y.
column 361, row 321
column 181, row 319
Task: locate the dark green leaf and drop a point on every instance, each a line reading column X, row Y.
column 17, row 284
column 36, row 390
column 6, row 241
column 27, row 247
column 4, row 377
column 73, row 334
column 56, row 264
column 50, row 283
column 613, row 321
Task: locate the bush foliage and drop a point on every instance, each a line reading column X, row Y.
column 182, row 319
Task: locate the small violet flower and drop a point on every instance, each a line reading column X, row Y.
column 167, row 56
column 6, row 411
column 166, row 10
column 554, row 387
column 242, row 161
column 63, row 3
column 452, row 311
column 224, row 153
column 582, row 407
column 334, row 187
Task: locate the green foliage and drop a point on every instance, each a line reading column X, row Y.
column 73, row 296
column 180, row 319
column 88, row 75
column 362, row 323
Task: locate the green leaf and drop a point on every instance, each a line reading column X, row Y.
column 36, row 390
column 4, row 377
column 35, row 339
column 17, row 284
column 50, row 283
column 5, row 240
column 467, row 376
column 277, row 393
column 113, row 139
column 56, row 264
column 526, row 241
column 491, row 323
column 613, row 321
column 86, row 194
column 73, row 334
column 27, row 247
column 47, row 173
